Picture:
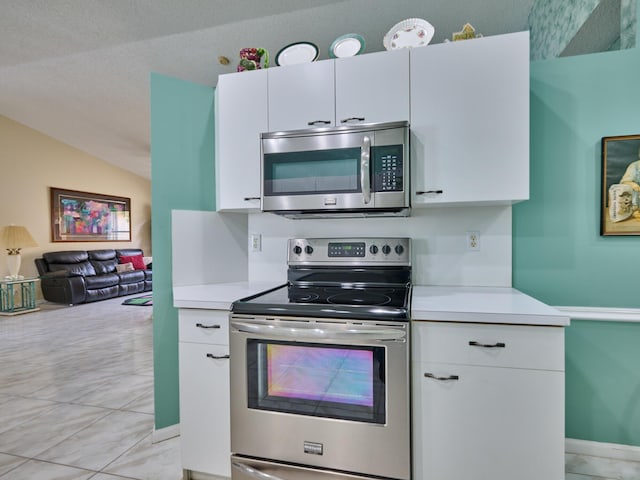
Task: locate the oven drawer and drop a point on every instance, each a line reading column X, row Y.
column 204, row 326
column 515, row 346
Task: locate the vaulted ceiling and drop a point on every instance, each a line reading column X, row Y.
column 78, row 70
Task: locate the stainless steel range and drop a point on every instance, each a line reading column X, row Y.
column 320, row 366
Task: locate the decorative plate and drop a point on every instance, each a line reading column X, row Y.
column 409, row 33
column 347, row 45
column 299, row 52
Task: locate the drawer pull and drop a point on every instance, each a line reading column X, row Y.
column 319, row 122
column 450, row 377
column 248, row 199
column 352, row 119
column 486, row 345
column 425, row 192
column 217, row 357
column 200, row 325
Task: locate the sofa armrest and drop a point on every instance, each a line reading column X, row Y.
column 63, row 287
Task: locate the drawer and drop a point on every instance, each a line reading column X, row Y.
column 204, row 326
column 515, row 346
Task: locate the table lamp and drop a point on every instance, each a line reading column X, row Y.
column 15, row 238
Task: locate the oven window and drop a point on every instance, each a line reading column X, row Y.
column 329, row 381
column 303, row 173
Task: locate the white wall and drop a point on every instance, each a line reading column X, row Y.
column 440, row 255
column 208, row 247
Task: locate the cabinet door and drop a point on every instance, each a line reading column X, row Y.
column 490, row 423
column 373, row 88
column 204, row 408
column 470, row 121
column 301, row 96
column 241, row 116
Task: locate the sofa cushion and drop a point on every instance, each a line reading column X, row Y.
column 82, row 268
column 102, row 255
column 103, row 261
column 138, row 262
column 131, row 277
column 102, row 281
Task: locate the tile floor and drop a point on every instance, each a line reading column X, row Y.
column 76, row 396
column 76, row 400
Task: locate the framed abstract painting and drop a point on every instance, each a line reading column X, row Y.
column 89, row 217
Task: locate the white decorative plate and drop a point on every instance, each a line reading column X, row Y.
column 409, row 33
column 347, row 45
column 299, row 52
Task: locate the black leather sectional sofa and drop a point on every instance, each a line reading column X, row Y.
column 81, row 276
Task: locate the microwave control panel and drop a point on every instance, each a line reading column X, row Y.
column 388, row 168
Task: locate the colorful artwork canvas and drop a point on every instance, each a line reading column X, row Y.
column 89, row 217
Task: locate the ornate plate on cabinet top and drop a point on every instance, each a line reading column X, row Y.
column 409, row 33
column 295, row 53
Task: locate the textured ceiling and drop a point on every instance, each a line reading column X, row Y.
column 78, row 70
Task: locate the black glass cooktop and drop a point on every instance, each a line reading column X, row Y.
column 370, row 303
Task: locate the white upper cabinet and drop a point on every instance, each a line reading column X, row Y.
column 372, row 88
column 301, row 96
column 470, row 121
column 361, row 89
column 241, row 116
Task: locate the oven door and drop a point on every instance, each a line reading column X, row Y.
column 323, row 393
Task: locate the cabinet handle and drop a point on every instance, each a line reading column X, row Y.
column 450, row 377
column 486, row 345
column 200, row 325
column 217, row 357
column 425, row 192
column 319, row 122
column 352, row 119
column 248, row 199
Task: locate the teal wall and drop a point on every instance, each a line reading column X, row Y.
column 182, row 177
column 559, row 256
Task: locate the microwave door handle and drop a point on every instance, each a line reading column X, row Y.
column 365, row 166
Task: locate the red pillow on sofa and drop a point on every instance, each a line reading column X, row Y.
column 137, row 261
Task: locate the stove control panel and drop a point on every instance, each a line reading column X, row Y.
column 351, row 251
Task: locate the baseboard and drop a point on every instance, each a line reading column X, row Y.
column 600, row 449
column 165, row 433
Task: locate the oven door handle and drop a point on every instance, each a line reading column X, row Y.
column 253, row 472
column 316, row 332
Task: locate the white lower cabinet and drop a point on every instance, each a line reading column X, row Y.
column 499, row 416
column 204, row 391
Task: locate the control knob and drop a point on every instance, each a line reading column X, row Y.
column 308, row 249
column 373, row 249
column 399, row 249
column 386, row 249
column 297, row 249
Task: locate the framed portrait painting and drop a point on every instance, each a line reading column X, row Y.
column 620, row 205
column 89, row 217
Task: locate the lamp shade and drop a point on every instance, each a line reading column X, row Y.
column 14, row 237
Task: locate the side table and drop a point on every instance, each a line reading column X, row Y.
column 18, row 296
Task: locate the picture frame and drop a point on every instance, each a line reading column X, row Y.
column 89, row 217
column 620, row 196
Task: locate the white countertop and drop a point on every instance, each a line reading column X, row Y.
column 482, row 305
column 217, row 296
column 446, row 304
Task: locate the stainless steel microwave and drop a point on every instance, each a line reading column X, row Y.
column 347, row 171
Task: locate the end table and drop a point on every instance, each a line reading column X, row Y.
column 18, row 296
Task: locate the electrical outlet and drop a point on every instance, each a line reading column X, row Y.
column 473, row 241
column 255, row 241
